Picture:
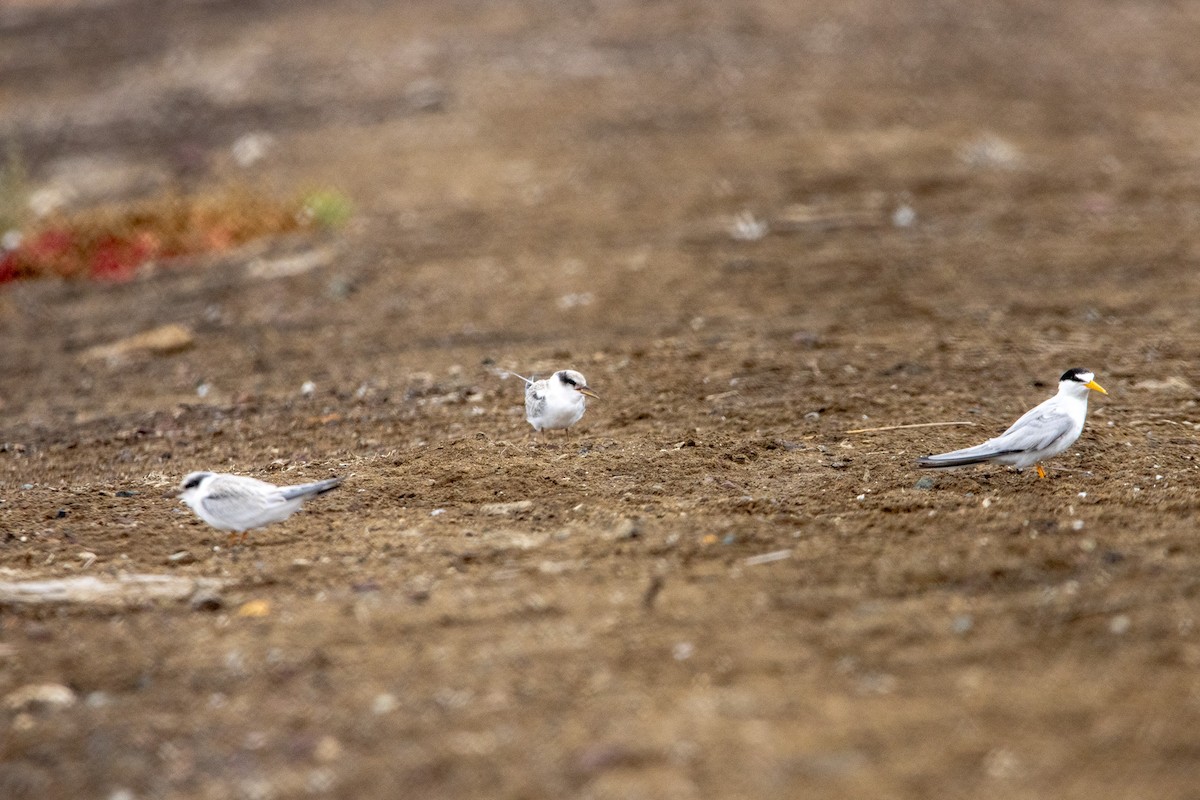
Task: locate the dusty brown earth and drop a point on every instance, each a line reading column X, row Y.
column 754, row 227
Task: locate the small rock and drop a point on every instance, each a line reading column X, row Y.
column 181, row 557
column 384, row 703
column 206, row 600
column 37, row 697
column 627, row 528
column 904, row 216
column 254, row 608
column 161, row 341
column 962, row 624
column 287, row 266
column 126, row 493
column 925, row 483
column 767, row 558
column 1119, row 624
column 427, row 95
column 506, row 509
column 328, row 749
column 989, row 151
column 97, row 699
column 250, row 148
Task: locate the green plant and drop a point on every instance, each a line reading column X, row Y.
column 328, row 208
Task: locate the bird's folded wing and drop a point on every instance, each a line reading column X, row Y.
column 968, row 455
column 1034, row 432
column 535, row 400
column 308, row 489
column 240, row 506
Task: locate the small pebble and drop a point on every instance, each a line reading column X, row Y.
column 1119, row 624
column 181, row 557
column 37, row 697
column 925, row 483
column 384, row 704
column 205, row 600
column 506, row 509
column 328, row 749
column 97, row 699
column 904, row 216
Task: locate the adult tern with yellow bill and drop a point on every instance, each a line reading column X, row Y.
column 1041, row 433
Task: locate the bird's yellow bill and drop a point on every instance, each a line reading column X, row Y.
column 1095, row 387
column 589, row 393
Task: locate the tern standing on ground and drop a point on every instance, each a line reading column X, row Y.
column 558, row 401
column 1041, row 433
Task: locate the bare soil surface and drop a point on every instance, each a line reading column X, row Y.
column 754, row 227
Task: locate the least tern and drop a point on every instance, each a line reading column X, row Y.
column 556, row 402
column 1041, row 433
column 236, row 504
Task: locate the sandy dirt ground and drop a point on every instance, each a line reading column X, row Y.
column 754, row 227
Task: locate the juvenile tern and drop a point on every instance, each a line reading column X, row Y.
column 236, row 503
column 556, row 402
column 1041, row 433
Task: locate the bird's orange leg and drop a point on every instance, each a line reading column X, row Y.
column 1041, row 472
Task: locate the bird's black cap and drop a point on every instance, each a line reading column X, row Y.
column 1076, row 374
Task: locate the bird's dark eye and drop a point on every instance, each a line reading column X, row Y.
column 193, row 482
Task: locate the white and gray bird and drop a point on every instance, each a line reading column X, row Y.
column 1041, row 433
column 558, row 401
column 236, row 503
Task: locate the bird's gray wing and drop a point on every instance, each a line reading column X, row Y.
column 309, row 489
column 535, row 399
column 1034, row 431
column 242, row 504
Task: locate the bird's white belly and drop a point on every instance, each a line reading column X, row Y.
column 562, row 416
